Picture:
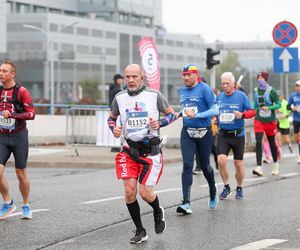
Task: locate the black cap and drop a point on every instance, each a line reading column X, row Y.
column 118, row 76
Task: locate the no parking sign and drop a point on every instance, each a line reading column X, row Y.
column 285, row 33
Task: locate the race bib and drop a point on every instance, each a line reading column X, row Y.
column 7, row 123
column 264, row 114
column 196, row 132
column 280, row 115
column 227, row 117
column 194, row 108
column 137, row 121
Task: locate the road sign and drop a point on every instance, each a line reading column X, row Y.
column 285, row 60
column 285, row 33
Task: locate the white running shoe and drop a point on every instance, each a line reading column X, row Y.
column 258, row 171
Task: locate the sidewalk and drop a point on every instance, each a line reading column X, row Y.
column 88, row 157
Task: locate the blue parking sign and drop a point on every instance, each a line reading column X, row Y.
column 285, row 60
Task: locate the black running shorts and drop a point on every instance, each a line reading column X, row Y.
column 17, row 144
column 237, row 144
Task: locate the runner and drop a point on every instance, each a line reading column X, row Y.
column 198, row 105
column 141, row 158
column 266, row 101
column 234, row 107
column 294, row 106
column 15, row 108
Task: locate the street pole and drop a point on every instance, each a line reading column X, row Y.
column 50, row 58
column 51, row 76
column 213, row 77
column 103, row 79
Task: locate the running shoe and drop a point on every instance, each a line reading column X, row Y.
column 140, row 236
column 213, row 202
column 258, row 171
column 291, row 149
column 184, row 208
column 197, row 171
column 298, row 160
column 275, row 169
column 266, row 161
column 225, row 193
column 7, row 209
column 239, row 193
column 26, row 212
column 160, row 224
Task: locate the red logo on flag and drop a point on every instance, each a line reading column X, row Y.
column 149, row 55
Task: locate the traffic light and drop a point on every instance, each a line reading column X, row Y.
column 210, row 62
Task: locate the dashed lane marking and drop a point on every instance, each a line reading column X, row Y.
column 179, row 189
column 33, row 211
column 289, row 174
column 102, row 200
column 261, row 244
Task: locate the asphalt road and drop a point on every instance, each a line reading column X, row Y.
column 84, row 209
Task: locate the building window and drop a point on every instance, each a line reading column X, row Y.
column 22, row 8
column 110, row 35
column 170, row 43
column 67, row 47
column 39, row 9
column 110, row 51
column 161, row 56
column 170, row 57
column 123, row 18
column 96, row 50
column 147, row 21
column 53, row 27
column 179, row 58
column 190, row 45
column 69, row 13
column 97, row 33
column 83, row 49
column 55, row 11
column 191, row 59
column 159, row 41
column 67, row 30
column 82, row 31
column 135, row 20
column 179, row 44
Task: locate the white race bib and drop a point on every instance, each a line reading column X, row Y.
column 264, row 114
column 7, row 123
column 194, row 108
column 280, row 115
column 137, row 121
column 227, row 117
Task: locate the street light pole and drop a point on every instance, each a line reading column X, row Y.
column 50, row 57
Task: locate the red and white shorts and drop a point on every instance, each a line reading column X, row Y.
column 146, row 169
column 270, row 128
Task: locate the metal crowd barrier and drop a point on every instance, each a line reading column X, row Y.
column 87, row 125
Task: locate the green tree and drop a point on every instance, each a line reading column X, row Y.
column 90, row 91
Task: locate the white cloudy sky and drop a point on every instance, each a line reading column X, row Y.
column 229, row 20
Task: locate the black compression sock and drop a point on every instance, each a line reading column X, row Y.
column 134, row 210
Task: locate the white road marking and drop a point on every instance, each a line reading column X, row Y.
column 256, row 179
column 179, row 189
column 102, row 200
column 289, row 174
column 33, row 211
column 167, row 190
column 298, row 229
column 259, row 244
